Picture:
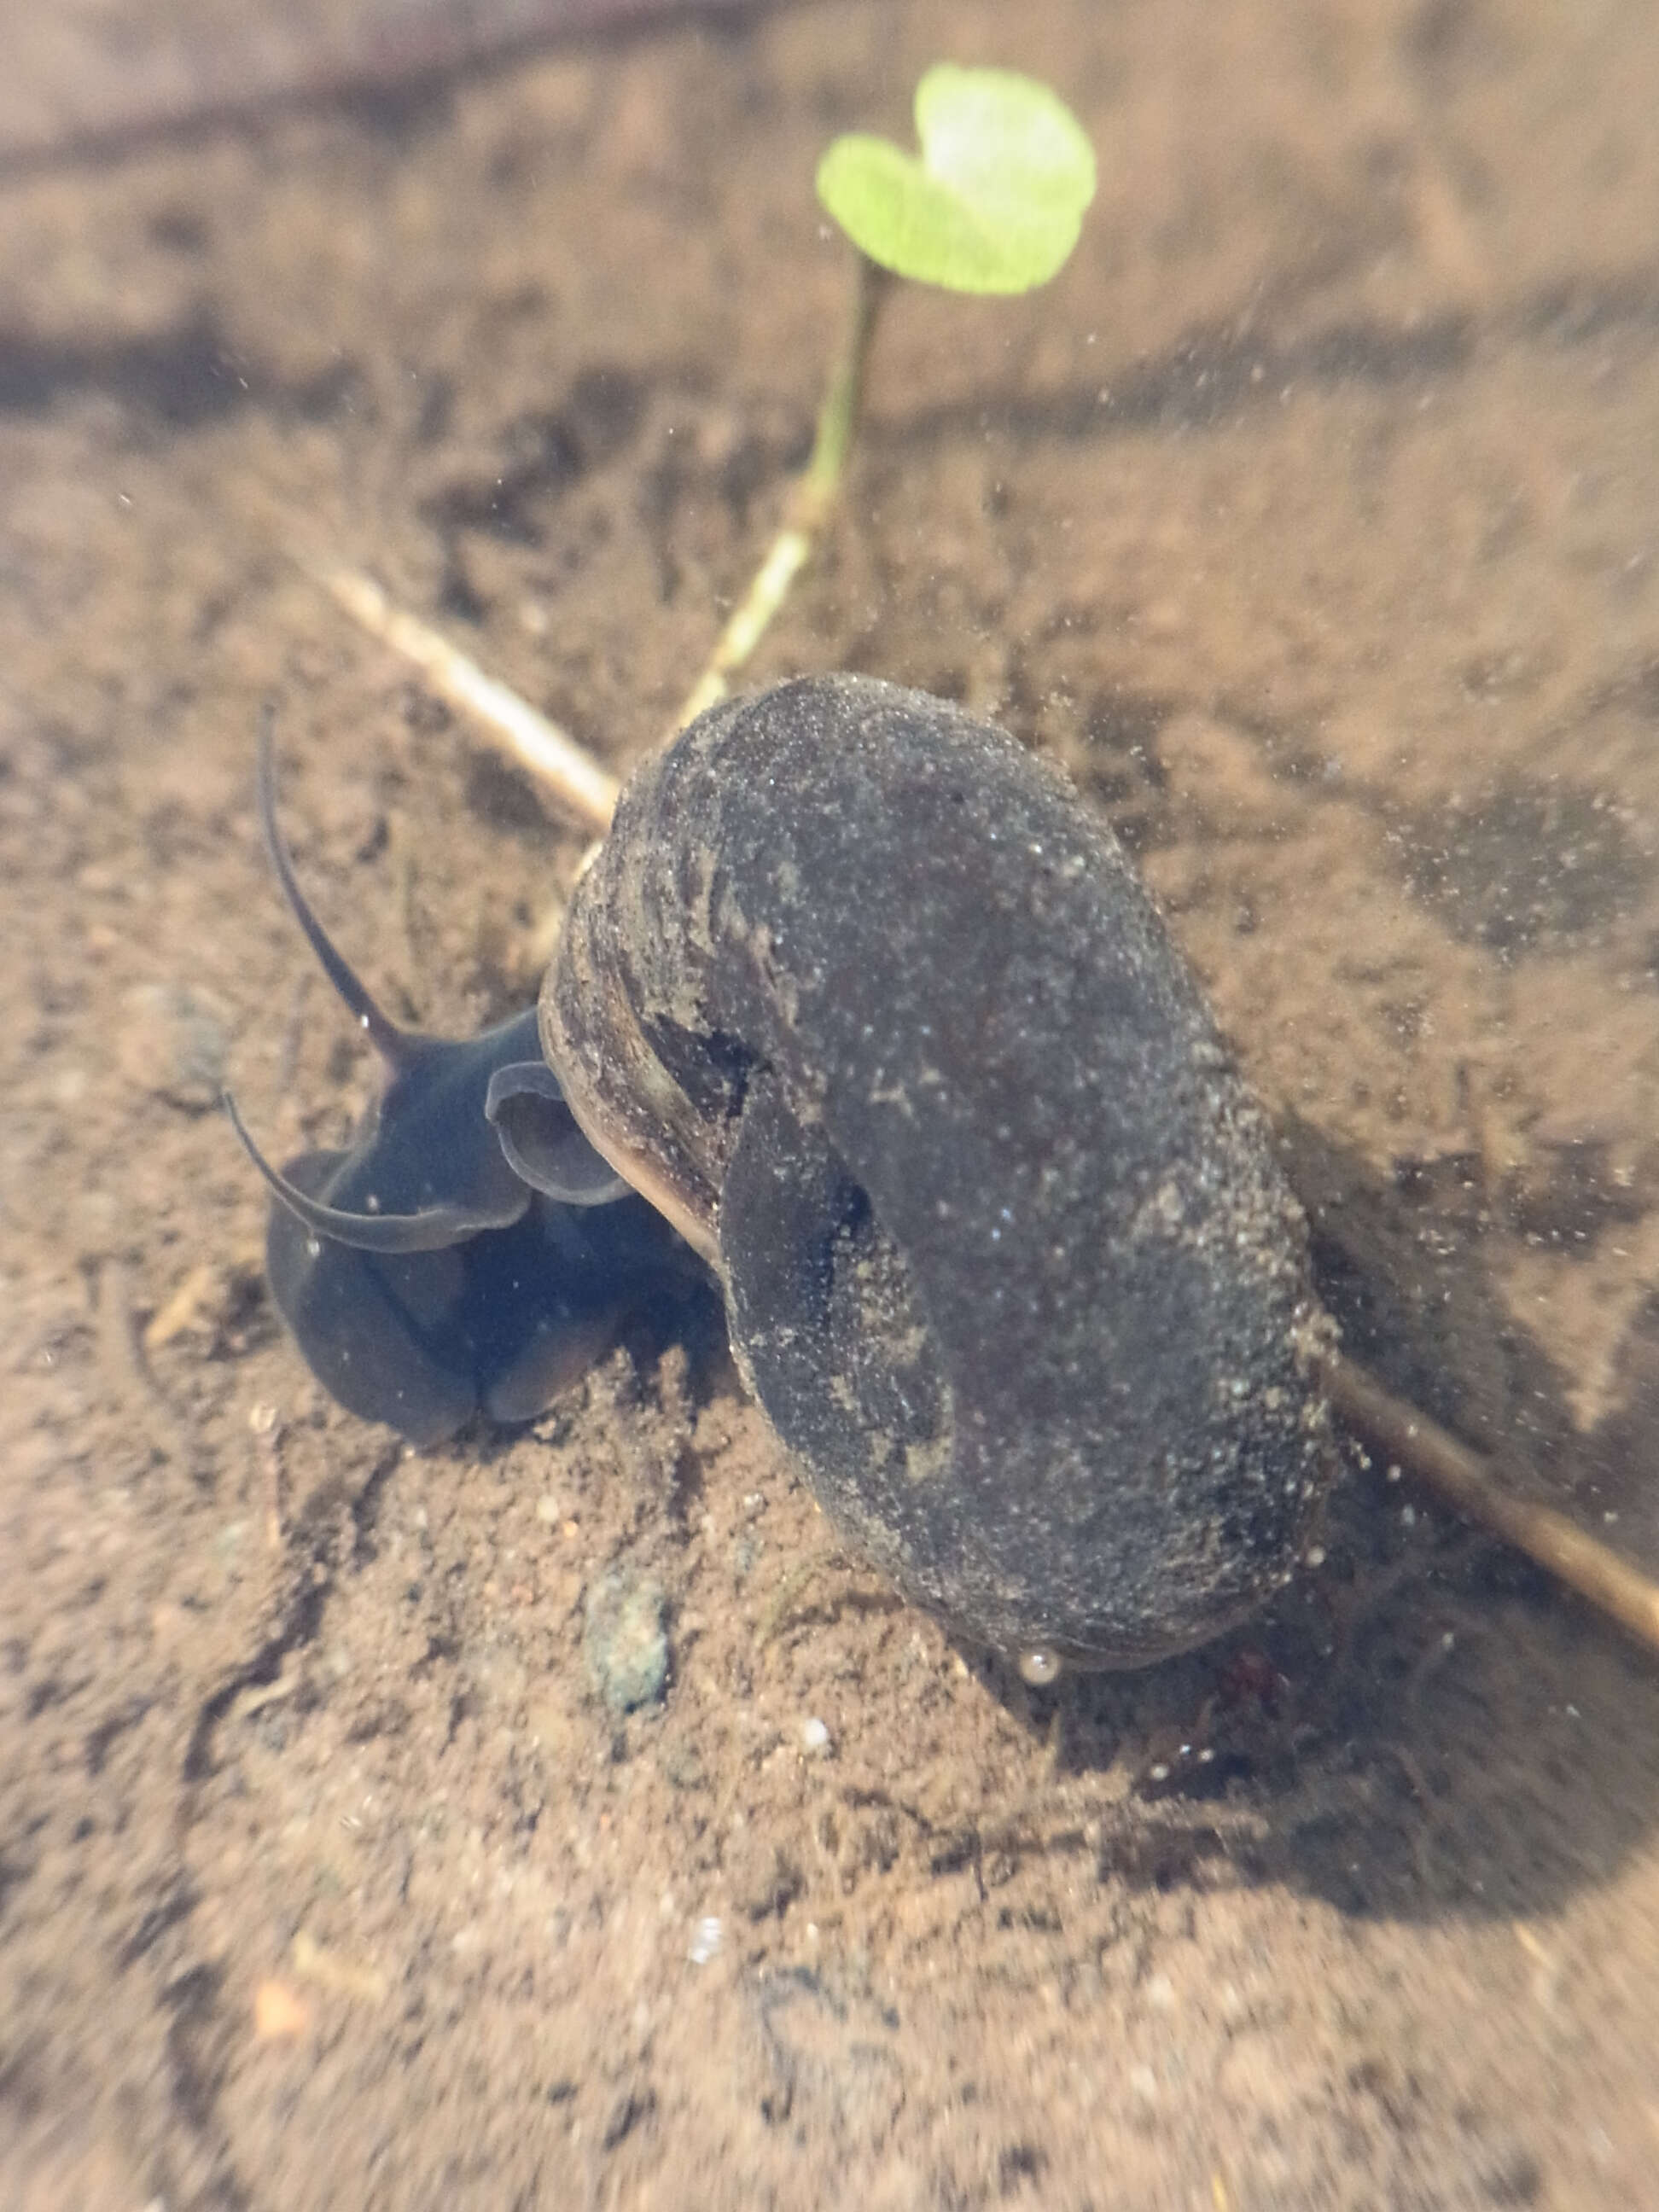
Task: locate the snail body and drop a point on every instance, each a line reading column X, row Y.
column 883, row 1022
column 863, row 1000
column 469, row 1251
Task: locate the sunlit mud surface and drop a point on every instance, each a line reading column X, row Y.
column 1308, row 520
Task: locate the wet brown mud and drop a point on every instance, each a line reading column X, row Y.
column 1307, row 521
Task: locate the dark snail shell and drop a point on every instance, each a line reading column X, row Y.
column 859, row 996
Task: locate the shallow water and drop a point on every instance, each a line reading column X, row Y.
column 1307, row 518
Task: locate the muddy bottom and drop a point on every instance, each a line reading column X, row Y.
column 1308, row 520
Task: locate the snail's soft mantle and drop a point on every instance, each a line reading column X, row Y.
column 881, row 1018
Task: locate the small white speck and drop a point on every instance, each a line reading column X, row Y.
column 814, row 1738
column 706, row 1939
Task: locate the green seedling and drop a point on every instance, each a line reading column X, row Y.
column 993, row 206
column 996, row 199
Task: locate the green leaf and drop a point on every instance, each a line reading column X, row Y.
column 995, row 203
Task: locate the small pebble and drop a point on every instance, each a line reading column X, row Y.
column 815, row 1738
column 625, row 1640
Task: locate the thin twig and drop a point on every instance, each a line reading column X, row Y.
column 571, row 774
column 1463, row 1480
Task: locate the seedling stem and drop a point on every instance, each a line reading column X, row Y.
column 813, row 497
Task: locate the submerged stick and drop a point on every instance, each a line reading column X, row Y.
column 571, row 775
column 1463, row 1480
column 570, row 772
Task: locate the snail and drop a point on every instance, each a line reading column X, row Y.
column 881, row 1021
column 863, row 1000
column 469, row 1251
